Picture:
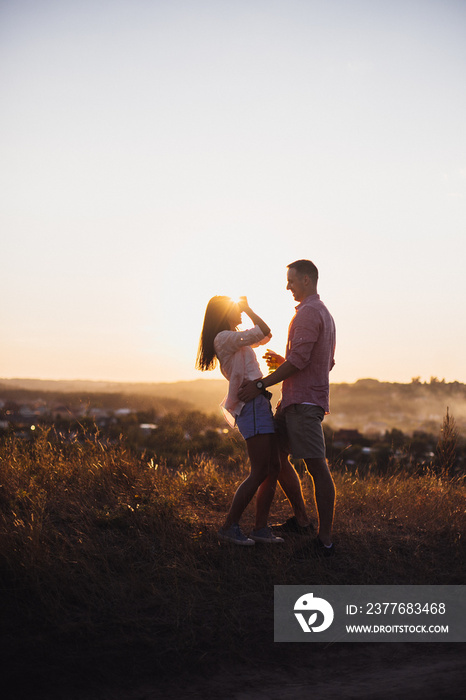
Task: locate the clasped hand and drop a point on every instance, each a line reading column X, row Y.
column 248, row 391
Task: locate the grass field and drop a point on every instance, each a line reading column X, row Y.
column 114, row 585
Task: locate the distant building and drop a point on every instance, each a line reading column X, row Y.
column 345, row 437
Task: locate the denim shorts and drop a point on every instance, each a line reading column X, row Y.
column 256, row 418
column 299, row 430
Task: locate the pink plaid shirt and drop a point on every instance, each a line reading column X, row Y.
column 310, row 348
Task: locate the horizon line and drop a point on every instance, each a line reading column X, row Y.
column 414, row 380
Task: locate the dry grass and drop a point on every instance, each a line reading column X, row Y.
column 111, row 571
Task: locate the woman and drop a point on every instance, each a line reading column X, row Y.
column 220, row 340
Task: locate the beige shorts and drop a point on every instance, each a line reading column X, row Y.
column 299, row 431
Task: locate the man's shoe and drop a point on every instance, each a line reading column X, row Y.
column 292, row 526
column 235, row 535
column 321, row 550
column 265, row 534
column 314, row 548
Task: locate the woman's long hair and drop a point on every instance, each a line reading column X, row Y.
column 215, row 320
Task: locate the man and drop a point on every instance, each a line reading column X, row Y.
column 304, row 372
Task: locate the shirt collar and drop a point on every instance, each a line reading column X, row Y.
column 307, row 300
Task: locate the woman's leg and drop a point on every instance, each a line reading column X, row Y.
column 259, row 456
column 266, row 490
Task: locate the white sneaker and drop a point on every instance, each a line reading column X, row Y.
column 265, row 534
column 235, row 535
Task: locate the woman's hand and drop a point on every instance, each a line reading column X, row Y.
column 243, row 304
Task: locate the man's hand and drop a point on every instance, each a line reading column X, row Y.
column 273, row 360
column 248, row 391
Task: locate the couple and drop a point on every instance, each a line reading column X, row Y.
column 296, row 429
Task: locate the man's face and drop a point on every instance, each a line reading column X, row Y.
column 297, row 284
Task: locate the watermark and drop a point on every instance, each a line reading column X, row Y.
column 370, row 614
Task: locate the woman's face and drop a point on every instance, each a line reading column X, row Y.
column 234, row 315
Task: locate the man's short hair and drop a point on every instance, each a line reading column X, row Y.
column 305, row 267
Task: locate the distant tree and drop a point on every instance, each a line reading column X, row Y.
column 436, row 380
column 194, row 422
column 395, row 438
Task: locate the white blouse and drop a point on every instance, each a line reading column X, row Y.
column 238, row 363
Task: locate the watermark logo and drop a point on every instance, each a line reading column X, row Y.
column 384, row 613
column 308, row 604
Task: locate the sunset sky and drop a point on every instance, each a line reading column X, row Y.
column 155, row 153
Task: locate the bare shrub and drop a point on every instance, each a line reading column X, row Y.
column 447, row 444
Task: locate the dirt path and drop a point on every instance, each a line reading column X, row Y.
column 434, row 676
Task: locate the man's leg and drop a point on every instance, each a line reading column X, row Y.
column 291, row 485
column 266, row 450
column 288, row 478
column 324, row 496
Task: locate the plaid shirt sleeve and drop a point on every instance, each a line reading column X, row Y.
column 303, row 335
